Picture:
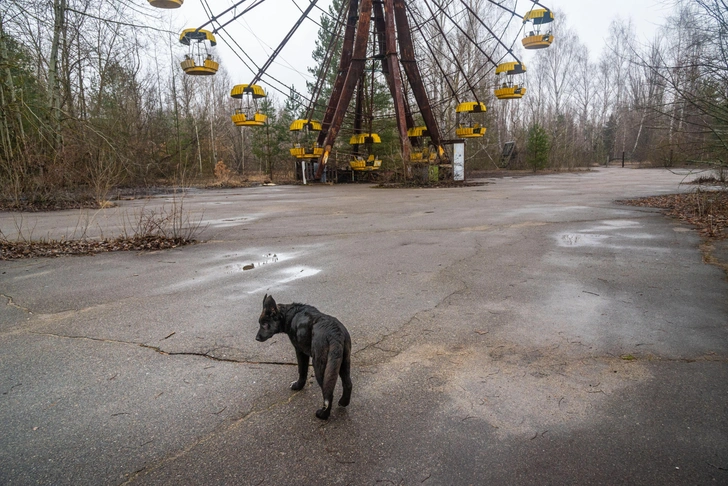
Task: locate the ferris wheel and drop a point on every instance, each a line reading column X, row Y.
column 382, row 45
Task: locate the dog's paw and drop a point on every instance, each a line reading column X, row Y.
column 344, row 402
column 297, row 385
column 323, row 413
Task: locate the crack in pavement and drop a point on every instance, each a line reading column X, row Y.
column 651, row 358
column 165, row 353
column 11, row 303
column 387, row 348
column 189, row 447
column 239, row 422
column 396, row 350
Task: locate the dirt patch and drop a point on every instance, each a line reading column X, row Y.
column 708, row 180
column 706, row 210
column 13, row 250
column 50, row 205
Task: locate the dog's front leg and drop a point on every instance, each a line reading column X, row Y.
column 302, row 359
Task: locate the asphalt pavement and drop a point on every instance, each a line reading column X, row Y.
column 529, row 330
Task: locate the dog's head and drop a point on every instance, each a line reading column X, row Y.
column 269, row 320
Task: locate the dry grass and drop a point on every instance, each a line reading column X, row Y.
column 706, row 210
column 13, row 250
column 144, row 230
column 229, row 180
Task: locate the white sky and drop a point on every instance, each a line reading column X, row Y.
column 591, row 18
column 262, row 29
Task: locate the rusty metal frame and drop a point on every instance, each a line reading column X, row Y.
column 392, row 28
column 344, row 63
column 407, row 57
column 356, row 67
column 382, row 37
column 396, row 83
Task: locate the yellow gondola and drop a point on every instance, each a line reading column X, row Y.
column 368, row 164
column 240, row 91
column 358, row 162
column 198, row 61
column 535, row 39
column 419, row 131
column 364, row 138
column 467, row 126
column 241, row 119
column 306, row 152
column 419, row 154
column 248, row 115
column 425, row 156
column 510, row 89
column 303, row 146
column 303, row 124
column 166, row 3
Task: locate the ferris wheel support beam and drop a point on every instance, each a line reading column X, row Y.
column 382, row 41
column 356, row 67
column 358, row 112
column 409, row 64
column 395, row 79
column 324, row 70
column 344, row 63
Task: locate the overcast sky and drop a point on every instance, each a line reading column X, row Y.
column 592, row 18
column 260, row 31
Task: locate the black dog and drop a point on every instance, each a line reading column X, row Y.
column 314, row 334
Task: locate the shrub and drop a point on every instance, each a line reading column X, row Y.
column 222, row 173
column 537, row 147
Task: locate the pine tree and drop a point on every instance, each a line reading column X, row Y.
column 294, row 107
column 537, row 147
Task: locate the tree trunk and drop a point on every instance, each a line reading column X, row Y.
column 639, row 132
column 59, row 12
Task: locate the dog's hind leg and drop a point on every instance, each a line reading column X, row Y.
column 345, row 374
column 302, row 359
column 328, row 383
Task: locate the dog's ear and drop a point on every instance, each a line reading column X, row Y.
column 269, row 305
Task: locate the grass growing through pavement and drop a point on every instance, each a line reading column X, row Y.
column 145, row 230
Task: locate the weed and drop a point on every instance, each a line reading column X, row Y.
column 146, row 229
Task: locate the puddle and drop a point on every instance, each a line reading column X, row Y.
column 267, row 259
column 247, row 269
column 288, row 275
column 228, row 222
column 582, row 239
column 615, row 224
column 614, row 234
column 255, row 263
column 544, row 211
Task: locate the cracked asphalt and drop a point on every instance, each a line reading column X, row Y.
column 526, row 331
